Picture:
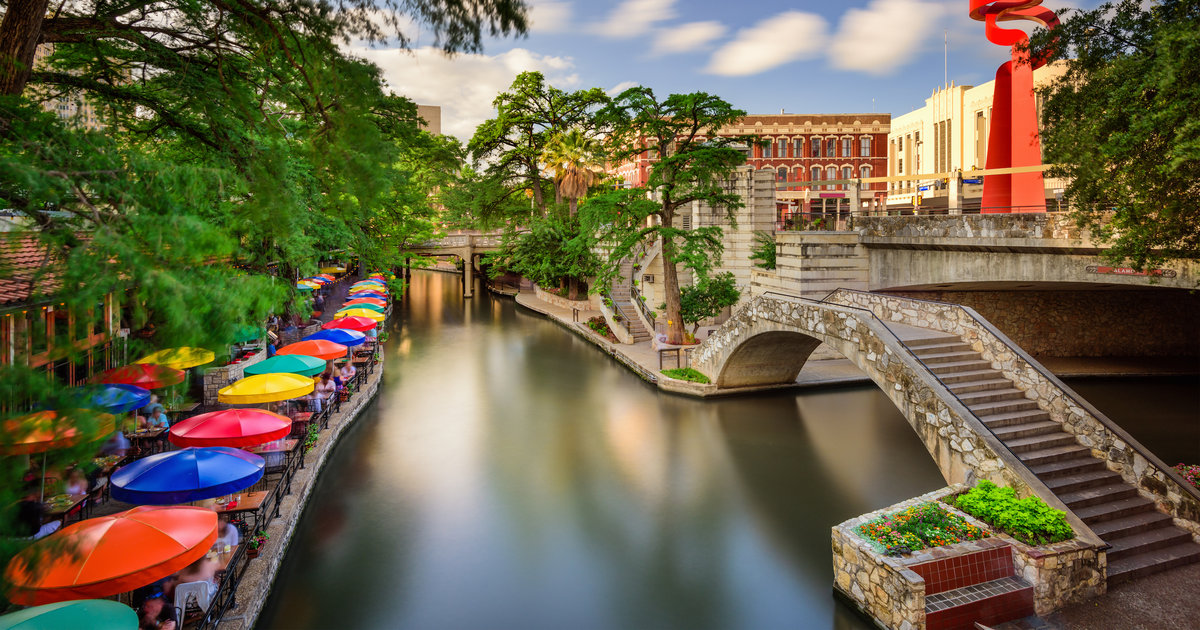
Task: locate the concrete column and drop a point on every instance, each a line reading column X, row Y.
column 469, row 274
column 954, row 194
column 855, row 199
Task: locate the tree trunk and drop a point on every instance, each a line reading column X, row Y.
column 19, row 34
column 671, row 282
column 573, row 288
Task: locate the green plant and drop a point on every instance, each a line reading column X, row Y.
column 686, row 374
column 1191, row 473
column 763, row 250
column 1029, row 520
column 918, row 527
column 310, row 439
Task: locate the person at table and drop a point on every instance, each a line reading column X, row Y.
column 325, row 387
column 156, row 614
column 347, row 372
column 116, row 444
column 157, row 420
column 30, row 512
column 202, row 570
column 77, row 482
column 227, row 534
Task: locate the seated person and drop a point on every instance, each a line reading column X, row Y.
column 313, row 400
column 116, row 444
column 30, row 512
column 227, row 534
column 157, row 420
column 325, row 387
column 347, row 372
column 156, row 614
column 77, row 482
column 202, row 570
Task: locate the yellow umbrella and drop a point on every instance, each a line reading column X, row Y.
column 179, row 358
column 262, row 388
column 307, row 283
column 361, row 312
column 333, row 270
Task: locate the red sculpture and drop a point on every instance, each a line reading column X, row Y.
column 1013, row 139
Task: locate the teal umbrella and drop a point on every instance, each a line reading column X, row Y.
column 94, row 614
column 288, row 364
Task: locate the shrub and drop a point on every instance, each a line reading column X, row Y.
column 1029, row 520
column 1190, row 473
column 918, row 527
column 686, row 374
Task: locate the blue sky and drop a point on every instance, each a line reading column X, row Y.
column 760, row 55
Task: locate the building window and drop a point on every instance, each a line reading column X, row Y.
column 782, row 147
column 781, row 174
column 864, row 172
column 846, row 174
column 831, row 147
column 816, row 147
column 864, row 146
column 798, row 147
column 846, row 146
column 766, row 150
column 830, row 174
column 816, row 175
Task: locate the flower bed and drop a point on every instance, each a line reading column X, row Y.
column 600, row 327
column 1190, row 473
column 1029, row 520
column 918, row 527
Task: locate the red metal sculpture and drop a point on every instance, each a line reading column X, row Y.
column 1013, row 139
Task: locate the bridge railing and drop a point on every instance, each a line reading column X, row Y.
column 1028, row 365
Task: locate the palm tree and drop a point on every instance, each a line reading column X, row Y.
column 572, row 155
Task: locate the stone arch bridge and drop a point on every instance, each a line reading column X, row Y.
column 982, row 407
column 466, row 246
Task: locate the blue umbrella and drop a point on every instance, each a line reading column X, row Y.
column 189, row 474
column 340, row 335
column 114, row 398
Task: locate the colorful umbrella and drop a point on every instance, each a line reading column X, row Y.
column 110, row 398
column 108, row 555
column 94, row 614
column 327, row 276
column 348, row 338
column 231, row 427
column 189, row 474
column 369, row 283
column 319, row 348
column 370, row 307
column 304, row 287
column 374, row 301
column 367, row 288
column 361, row 324
column 249, row 333
column 288, row 364
column 333, row 270
column 360, row 312
column 367, row 294
column 262, row 388
column 319, row 280
column 179, row 358
column 47, row 430
column 144, row 375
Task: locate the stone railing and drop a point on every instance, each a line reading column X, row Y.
column 1044, row 226
column 1122, row 454
column 559, row 301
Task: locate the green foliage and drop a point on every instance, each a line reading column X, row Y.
column 686, row 374
column 763, row 250
column 600, row 327
column 918, row 527
column 707, row 298
column 553, row 249
column 1029, row 520
column 1121, row 123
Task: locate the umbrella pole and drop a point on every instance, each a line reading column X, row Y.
column 43, row 497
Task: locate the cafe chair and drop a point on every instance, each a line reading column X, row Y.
column 191, row 596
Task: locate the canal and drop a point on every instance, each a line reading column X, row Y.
column 509, row 475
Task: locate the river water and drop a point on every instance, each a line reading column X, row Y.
column 509, row 475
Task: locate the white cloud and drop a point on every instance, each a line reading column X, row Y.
column 884, row 36
column 686, row 37
column 772, row 42
column 549, row 16
column 632, row 18
column 621, row 87
column 464, row 85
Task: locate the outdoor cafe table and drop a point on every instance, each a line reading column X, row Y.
column 145, row 441
column 291, row 452
column 58, row 510
column 251, row 502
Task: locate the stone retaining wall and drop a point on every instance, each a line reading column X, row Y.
column 560, row 302
column 217, row 378
column 1122, row 454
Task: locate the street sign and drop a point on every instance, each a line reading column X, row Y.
column 973, row 180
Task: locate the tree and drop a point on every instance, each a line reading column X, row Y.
column 1121, row 124
column 707, row 298
column 763, row 250
column 527, row 116
column 553, row 249
column 573, row 156
column 693, row 164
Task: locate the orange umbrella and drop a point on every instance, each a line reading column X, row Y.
column 144, row 375
column 104, row 556
column 46, row 430
column 319, row 348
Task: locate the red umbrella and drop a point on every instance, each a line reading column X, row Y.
column 230, row 427
column 361, row 324
column 144, row 375
column 319, row 348
column 107, row 555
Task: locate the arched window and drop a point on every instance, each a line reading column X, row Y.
column 846, row 145
column 766, row 150
column 781, row 174
column 830, row 173
column 782, row 148
column 816, row 174
column 864, row 172
column 798, row 147
column 864, row 146
column 816, row 147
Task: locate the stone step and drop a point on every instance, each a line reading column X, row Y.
column 1067, row 467
column 1147, row 540
column 1110, row 531
column 993, row 420
column 925, row 342
column 1034, row 443
column 1027, row 429
column 1153, row 561
column 1002, row 406
column 969, row 375
column 957, row 367
column 991, row 395
column 1097, row 495
column 980, row 385
column 1080, row 480
column 1114, row 510
column 1053, row 454
column 956, row 345
column 948, row 357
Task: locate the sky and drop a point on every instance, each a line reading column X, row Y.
column 763, row 56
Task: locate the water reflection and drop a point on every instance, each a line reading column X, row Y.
column 509, row 475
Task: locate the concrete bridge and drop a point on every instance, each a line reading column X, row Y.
column 984, row 410
column 466, row 246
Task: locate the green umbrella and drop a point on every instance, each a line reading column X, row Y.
column 373, row 307
column 301, row 364
column 248, row 333
column 95, row 614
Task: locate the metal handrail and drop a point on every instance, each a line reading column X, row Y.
column 1041, row 369
column 635, row 296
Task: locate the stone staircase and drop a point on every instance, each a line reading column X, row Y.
column 622, row 296
column 1143, row 540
